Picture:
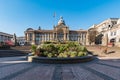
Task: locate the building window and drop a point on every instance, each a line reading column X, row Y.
column 108, row 25
column 37, row 35
column 30, row 36
column 37, row 39
column 114, row 33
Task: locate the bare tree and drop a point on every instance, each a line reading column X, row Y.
column 92, row 32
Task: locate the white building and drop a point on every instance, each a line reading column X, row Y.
column 21, row 40
column 5, row 37
column 110, row 31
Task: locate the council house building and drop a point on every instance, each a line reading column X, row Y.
column 60, row 32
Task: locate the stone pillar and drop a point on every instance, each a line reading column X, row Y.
column 45, row 36
column 83, row 39
column 68, row 36
column 48, row 37
column 28, row 37
column 80, row 38
column 51, row 36
column 25, row 37
column 33, row 38
column 87, row 41
column 64, row 36
column 56, row 38
column 42, row 37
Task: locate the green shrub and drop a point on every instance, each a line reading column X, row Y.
column 47, row 42
column 84, row 49
column 73, row 54
column 49, row 55
column 82, row 54
column 33, row 48
column 70, row 49
column 48, row 47
column 45, row 53
column 61, row 48
column 81, row 48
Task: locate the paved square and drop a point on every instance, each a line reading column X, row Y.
column 17, row 68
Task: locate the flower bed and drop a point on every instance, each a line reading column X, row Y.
column 67, row 52
column 70, row 49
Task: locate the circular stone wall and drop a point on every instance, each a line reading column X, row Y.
column 60, row 60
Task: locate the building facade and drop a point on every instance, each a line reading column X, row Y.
column 60, row 32
column 109, row 32
column 21, row 40
column 5, row 37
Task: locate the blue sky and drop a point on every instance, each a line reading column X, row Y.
column 18, row 15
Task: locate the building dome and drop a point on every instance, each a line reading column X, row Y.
column 118, row 22
column 61, row 21
column 29, row 29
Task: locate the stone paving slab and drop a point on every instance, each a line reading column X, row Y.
column 111, row 72
column 36, row 73
column 8, row 70
column 81, row 73
column 111, row 63
column 94, row 70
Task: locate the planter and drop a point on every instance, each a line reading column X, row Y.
column 56, row 60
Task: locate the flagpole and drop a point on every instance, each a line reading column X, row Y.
column 54, row 16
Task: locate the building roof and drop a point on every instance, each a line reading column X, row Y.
column 77, row 31
column 6, row 34
column 42, row 31
column 114, row 18
column 29, row 29
column 109, row 20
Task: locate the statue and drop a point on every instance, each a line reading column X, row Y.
column 39, row 28
column 14, row 39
